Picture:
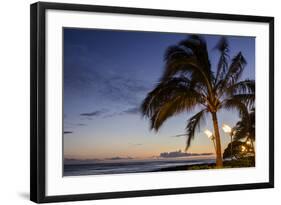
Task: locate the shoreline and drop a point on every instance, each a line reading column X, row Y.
column 241, row 163
column 237, row 163
column 187, row 167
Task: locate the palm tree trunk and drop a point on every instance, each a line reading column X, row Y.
column 218, row 140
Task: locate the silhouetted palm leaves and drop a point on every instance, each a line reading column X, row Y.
column 245, row 128
column 188, row 83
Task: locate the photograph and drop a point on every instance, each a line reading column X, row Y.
column 147, row 101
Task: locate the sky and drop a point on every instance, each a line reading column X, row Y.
column 107, row 74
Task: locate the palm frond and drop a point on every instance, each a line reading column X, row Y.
column 247, row 99
column 223, row 48
column 174, row 52
column 189, row 58
column 193, row 124
column 240, row 130
column 165, row 91
column 172, row 107
column 242, row 87
column 235, row 104
column 198, row 46
column 235, row 69
column 233, row 74
column 168, row 98
column 182, row 65
column 245, row 128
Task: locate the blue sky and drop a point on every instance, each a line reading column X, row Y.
column 108, row 73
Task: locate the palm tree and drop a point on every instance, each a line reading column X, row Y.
column 245, row 128
column 188, row 83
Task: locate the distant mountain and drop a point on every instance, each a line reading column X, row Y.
column 68, row 161
column 119, row 158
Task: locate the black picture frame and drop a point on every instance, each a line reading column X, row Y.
column 38, row 103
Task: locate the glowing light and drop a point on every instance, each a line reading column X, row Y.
column 226, row 128
column 248, row 142
column 208, row 133
column 243, row 148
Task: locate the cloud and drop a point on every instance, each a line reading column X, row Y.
column 129, row 111
column 91, row 78
column 81, row 124
column 133, row 110
column 119, row 158
column 106, row 113
column 181, row 154
column 94, row 113
column 71, row 125
column 128, row 83
column 121, row 88
column 67, row 132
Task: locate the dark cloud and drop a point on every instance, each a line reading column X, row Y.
column 181, row 154
column 122, row 89
column 71, row 124
column 180, row 135
column 81, row 124
column 129, row 83
column 67, row 132
column 103, row 83
column 133, row 110
column 93, row 113
column 129, row 111
column 119, row 158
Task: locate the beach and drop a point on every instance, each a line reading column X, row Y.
column 156, row 165
column 79, row 168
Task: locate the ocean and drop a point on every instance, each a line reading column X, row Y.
column 128, row 166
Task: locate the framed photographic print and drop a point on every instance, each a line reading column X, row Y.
column 129, row 102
